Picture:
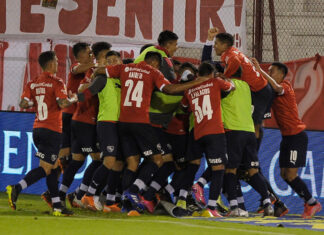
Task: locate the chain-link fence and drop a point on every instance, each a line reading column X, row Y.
column 299, row 29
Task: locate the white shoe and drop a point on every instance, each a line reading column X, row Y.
column 97, row 203
column 77, row 203
column 238, row 212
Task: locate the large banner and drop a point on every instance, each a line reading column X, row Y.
column 124, row 21
column 17, row 157
column 307, row 78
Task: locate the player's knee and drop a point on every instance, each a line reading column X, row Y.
column 118, row 166
column 95, row 156
column 218, row 167
column 252, row 171
column 157, row 159
column 64, row 152
column 78, row 157
column 283, row 174
column 197, row 162
column 132, row 163
column 167, row 157
column 291, row 174
column 109, row 162
column 231, row 171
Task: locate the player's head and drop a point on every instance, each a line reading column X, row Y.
column 48, row 61
column 278, row 71
column 169, row 41
column 113, row 58
column 176, row 66
column 206, row 69
column 82, row 52
column 146, row 46
column 223, row 42
column 154, row 59
column 99, row 50
column 187, row 72
column 128, row 61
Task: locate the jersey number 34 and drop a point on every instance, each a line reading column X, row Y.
column 204, row 110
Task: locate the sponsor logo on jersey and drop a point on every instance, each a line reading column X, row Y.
column 40, row 155
column 215, row 161
column 148, row 153
column 87, row 150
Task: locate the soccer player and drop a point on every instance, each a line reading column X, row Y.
column 136, row 134
column 84, row 136
column 84, row 61
column 293, row 146
column 108, row 90
column 204, row 101
column 48, row 94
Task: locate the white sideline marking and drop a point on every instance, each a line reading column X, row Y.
column 150, row 221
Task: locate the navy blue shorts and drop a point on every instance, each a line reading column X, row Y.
column 262, row 101
column 66, row 130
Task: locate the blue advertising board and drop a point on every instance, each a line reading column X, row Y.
column 17, row 158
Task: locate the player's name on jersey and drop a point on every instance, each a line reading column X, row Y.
column 204, row 91
column 210, row 84
column 34, row 85
column 135, row 75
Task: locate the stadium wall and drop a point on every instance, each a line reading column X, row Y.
column 17, row 158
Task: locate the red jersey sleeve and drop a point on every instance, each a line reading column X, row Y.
column 159, row 80
column 114, row 71
column 286, row 88
column 184, row 102
column 232, row 65
column 73, row 66
column 224, row 85
column 87, row 77
column 27, row 92
column 60, row 90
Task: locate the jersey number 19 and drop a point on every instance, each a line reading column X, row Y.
column 204, row 110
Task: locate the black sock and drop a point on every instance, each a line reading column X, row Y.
column 113, row 182
column 230, row 186
column 189, row 177
column 177, row 179
column 259, row 185
column 239, row 196
column 206, row 175
column 128, row 179
column 99, row 178
column 269, row 187
column 32, row 177
column 160, row 178
column 145, row 175
column 51, row 181
column 299, row 186
column 68, row 177
column 90, row 171
column 215, row 188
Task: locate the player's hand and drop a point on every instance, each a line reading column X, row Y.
column 73, row 97
column 255, row 62
column 220, row 75
column 212, row 32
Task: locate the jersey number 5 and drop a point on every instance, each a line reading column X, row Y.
column 204, row 110
column 135, row 94
column 42, row 112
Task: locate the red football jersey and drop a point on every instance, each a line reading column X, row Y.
column 73, row 85
column 285, row 111
column 44, row 92
column 137, row 84
column 87, row 111
column 179, row 124
column 204, row 101
column 26, row 94
column 234, row 59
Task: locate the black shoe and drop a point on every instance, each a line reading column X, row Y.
column 268, row 210
column 192, row 205
column 165, row 196
column 12, row 195
column 47, row 198
column 280, row 209
column 70, row 197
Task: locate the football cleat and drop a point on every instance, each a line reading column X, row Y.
column 182, row 204
column 88, row 202
column 133, row 213
column 134, row 200
column 310, row 211
column 62, row 212
column 280, row 209
column 238, row 212
column 12, row 196
column 111, row 208
column 210, row 213
column 47, row 198
column 268, row 210
column 149, row 205
column 199, row 194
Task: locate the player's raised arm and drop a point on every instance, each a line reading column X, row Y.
column 277, row 87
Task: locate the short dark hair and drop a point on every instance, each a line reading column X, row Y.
column 111, row 53
column 176, row 62
column 166, row 36
column 99, row 46
column 45, row 57
column 226, row 38
column 205, row 69
column 146, row 46
column 128, row 61
column 281, row 67
column 188, row 65
column 152, row 55
column 80, row 46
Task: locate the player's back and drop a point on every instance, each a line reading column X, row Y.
column 249, row 74
column 45, row 91
column 204, row 102
column 286, row 111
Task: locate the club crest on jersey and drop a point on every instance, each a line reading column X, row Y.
column 126, row 69
column 110, row 148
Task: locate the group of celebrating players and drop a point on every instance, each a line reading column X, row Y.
column 144, row 120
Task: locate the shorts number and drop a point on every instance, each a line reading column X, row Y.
column 134, row 95
column 293, row 156
column 42, row 111
column 205, row 110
